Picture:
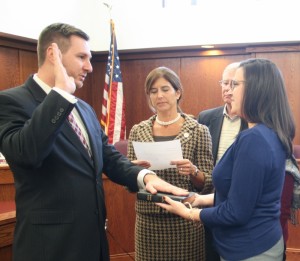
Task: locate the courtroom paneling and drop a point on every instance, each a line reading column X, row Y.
column 86, row 91
column 120, row 205
column 7, row 227
column 7, row 187
column 200, row 78
column 293, row 247
column 9, row 67
column 95, row 89
column 28, row 64
column 7, row 213
column 122, row 257
column 289, row 64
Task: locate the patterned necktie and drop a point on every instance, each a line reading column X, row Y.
column 77, row 130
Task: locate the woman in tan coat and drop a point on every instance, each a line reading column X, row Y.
column 160, row 235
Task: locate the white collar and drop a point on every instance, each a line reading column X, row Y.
column 42, row 84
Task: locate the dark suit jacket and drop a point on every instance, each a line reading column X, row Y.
column 213, row 119
column 59, row 191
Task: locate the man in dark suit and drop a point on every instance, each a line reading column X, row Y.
column 60, row 207
column 223, row 127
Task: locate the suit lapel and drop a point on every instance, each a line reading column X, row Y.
column 70, row 135
column 94, row 139
column 215, row 131
column 186, row 132
column 37, row 92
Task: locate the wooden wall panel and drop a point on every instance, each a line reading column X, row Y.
column 9, row 67
column 120, row 205
column 7, row 188
column 7, row 213
column 28, row 64
column 289, row 64
column 293, row 248
column 200, row 77
column 85, row 92
column 95, row 89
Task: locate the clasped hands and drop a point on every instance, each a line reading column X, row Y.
column 181, row 209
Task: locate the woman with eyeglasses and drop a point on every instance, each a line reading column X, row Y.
column 244, row 211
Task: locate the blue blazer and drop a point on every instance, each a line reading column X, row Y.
column 60, row 205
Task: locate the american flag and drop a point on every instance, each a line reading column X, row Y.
column 113, row 104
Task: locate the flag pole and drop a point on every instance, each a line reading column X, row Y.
column 113, row 104
column 112, row 33
column 106, row 123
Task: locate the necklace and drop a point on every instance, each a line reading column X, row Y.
column 166, row 123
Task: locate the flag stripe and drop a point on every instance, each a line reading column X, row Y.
column 113, row 103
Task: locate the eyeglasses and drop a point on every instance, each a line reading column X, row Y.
column 225, row 83
column 230, row 83
column 235, row 84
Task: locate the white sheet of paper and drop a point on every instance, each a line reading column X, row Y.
column 159, row 154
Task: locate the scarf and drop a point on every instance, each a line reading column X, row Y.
column 292, row 167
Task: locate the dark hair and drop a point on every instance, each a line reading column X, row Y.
column 265, row 100
column 167, row 74
column 57, row 33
